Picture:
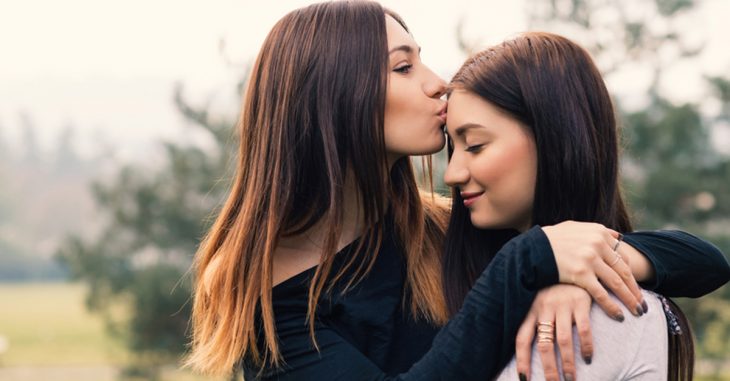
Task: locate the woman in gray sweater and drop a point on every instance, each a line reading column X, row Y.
column 533, row 141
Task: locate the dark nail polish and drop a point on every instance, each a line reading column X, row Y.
column 568, row 377
column 619, row 317
column 588, row 359
column 639, row 310
column 522, row 377
column 646, row 306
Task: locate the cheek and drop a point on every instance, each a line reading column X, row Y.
column 508, row 173
column 495, row 166
column 408, row 129
column 402, row 108
column 520, row 188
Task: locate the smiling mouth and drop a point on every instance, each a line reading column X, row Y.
column 470, row 198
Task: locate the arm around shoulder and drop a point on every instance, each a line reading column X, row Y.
column 684, row 265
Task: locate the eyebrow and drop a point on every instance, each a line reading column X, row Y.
column 458, row 131
column 404, row 48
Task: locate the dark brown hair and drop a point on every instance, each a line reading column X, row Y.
column 550, row 85
column 312, row 116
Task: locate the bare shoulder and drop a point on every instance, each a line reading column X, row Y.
column 289, row 262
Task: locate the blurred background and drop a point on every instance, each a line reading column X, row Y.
column 116, row 123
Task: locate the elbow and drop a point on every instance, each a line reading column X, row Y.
column 720, row 274
column 724, row 272
column 721, row 264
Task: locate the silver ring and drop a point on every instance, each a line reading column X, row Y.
column 618, row 241
column 615, row 261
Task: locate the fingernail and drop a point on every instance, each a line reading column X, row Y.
column 588, row 359
column 619, row 317
column 568, row 377
column 639, row 310
column 646, row 306
column 522, row 377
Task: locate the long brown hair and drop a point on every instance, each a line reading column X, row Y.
column 312, row 116
column 552, row 86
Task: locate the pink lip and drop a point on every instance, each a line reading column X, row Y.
column 442, row 114
column 470, row 197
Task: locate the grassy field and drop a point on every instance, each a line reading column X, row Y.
column 48, row 325
column 51, row 337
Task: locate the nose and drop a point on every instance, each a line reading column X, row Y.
column 434, row 86
column 457, row 174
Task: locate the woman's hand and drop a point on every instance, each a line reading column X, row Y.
column 586, row 257
column 561, row 305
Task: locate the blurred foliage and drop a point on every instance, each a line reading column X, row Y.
column 673, row 176
column 155, row 217
column 19, row 266
column 156, row 213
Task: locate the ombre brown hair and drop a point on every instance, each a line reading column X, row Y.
column 550, row 85
column 312, row 117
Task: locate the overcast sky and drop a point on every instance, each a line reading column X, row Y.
column 108, row 67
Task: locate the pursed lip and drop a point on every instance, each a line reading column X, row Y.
column 442, row 113
column 470, row 197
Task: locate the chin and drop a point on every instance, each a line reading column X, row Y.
column 434, row 146
column 482, row 222
column 482, row 225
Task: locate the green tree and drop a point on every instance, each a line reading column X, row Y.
column 673, row 176
column 155, row 217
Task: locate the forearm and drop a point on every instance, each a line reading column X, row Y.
column 682, row 265
column 479, row 340
column 640, row 265
column 476, row 343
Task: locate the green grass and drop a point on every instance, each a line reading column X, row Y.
column 51, row 334
column 47, row 324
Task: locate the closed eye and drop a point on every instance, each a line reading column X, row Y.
column 405, row 69
column 474, row 148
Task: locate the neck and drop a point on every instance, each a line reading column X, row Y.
column 353, row 224
column 392, row 158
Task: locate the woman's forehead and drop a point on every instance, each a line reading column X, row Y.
column 398, row 36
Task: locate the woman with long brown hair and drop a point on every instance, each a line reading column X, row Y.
column 534, row 142
column 325, row 261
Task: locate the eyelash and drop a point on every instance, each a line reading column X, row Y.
column 475, row 148
column 405, row 69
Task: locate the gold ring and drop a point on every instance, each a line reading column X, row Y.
column 545, row 332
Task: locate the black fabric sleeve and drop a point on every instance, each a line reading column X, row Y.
column 684, row 265
column 474, row 345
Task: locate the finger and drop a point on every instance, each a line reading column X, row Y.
column 620, row 264
column 546, row 349
column 547, row 357
column 616, row 284
column 624, row 271
column 564, row 338
column 602, row 298
column 583, row 325
column 623, row 274
column 613, row 233
column 523, row 345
